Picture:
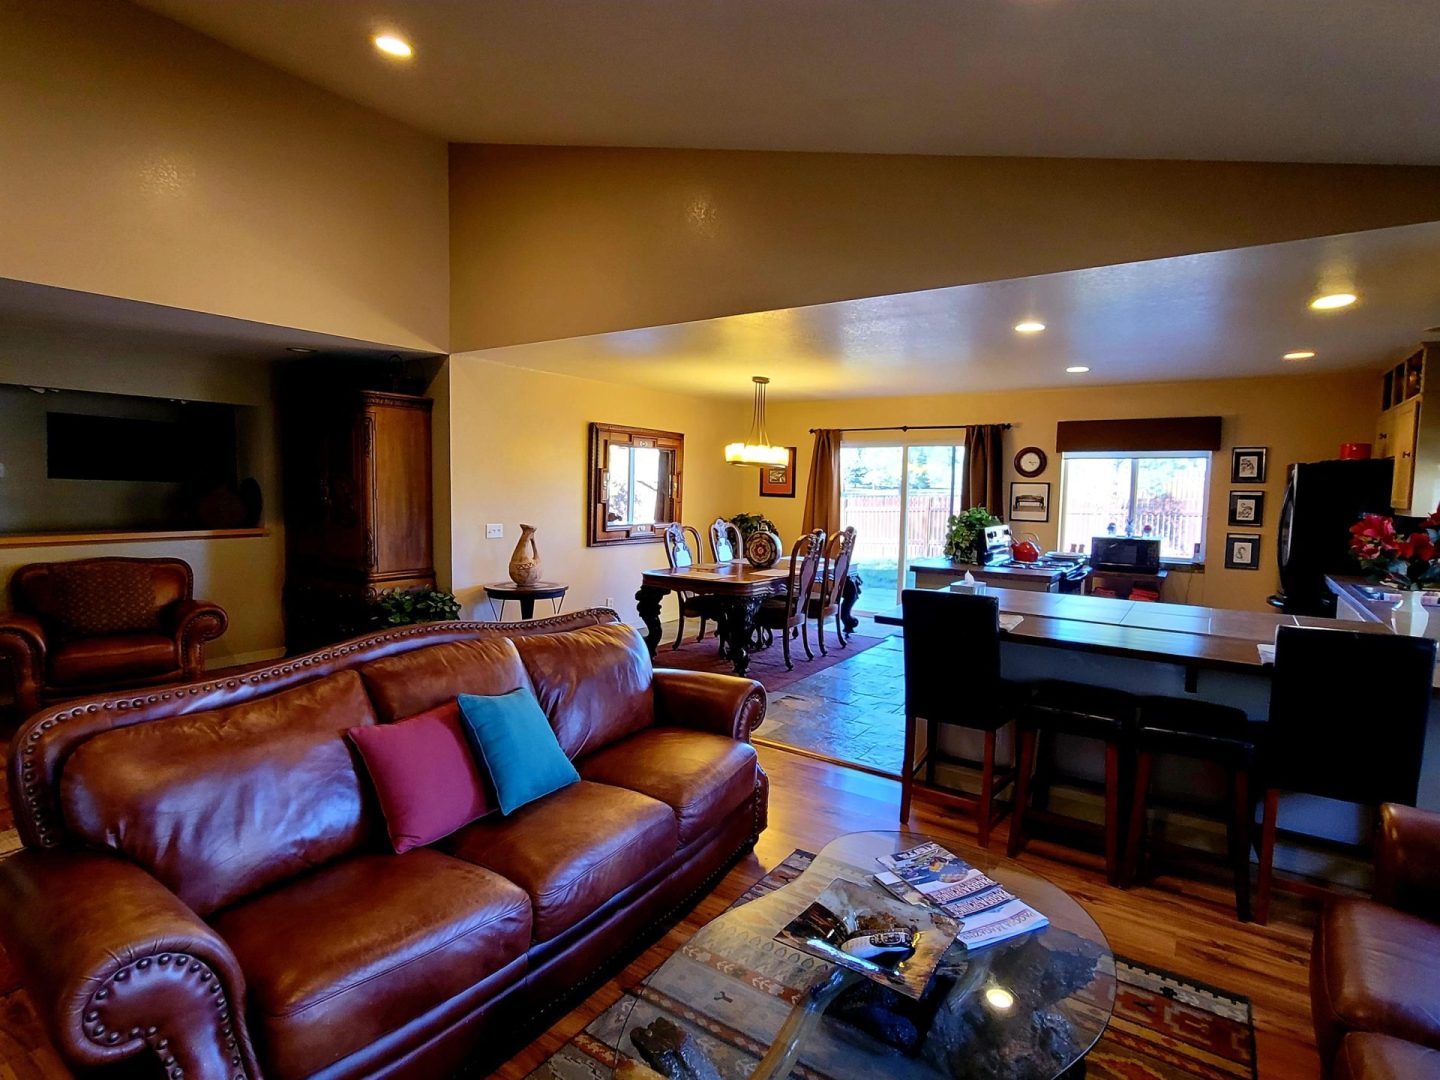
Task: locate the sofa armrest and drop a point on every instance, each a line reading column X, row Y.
column 706, row 701
column 193, row 623
column 22, row 643
column 116, row 965
column 1407, row 860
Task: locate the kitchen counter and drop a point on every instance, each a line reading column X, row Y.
column 936, row 573
column 1354, row 606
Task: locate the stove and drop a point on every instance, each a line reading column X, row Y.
column 1071, row 569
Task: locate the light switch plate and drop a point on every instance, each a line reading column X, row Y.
column 494, row 532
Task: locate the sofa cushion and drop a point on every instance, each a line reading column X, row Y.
column 1376, row 971
column 594, row 684
column 338, row 958
column 220, row 804
column 701, row 776
column 87, row 661
column 510, row 734
column 1379, row 1057
column 573, row 850
column 426, row 779
column 411, row 682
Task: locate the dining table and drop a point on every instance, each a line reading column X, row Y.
column 739, row 589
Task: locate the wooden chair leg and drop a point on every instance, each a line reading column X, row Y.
column 987, row 791
column 1022, row 792
column 907, row 766
column 1267, row 856
column 1112, row 813
column 1242, row 821
column 680, row 633
column 1135, row 842
column 932, row 738
column 701, row 636
column 805, row 639
column 785, row 644
column 840, row 632
column 820, row 634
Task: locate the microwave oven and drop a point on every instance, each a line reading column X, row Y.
column 1134, row 553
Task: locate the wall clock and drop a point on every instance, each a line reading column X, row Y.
column 1031, row 461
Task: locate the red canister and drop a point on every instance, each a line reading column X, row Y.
column 1354, row 451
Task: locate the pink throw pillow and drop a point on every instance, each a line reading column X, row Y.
column 425, row 776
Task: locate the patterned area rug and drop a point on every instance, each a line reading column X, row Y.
column 1165, row 1027
column 767, row 665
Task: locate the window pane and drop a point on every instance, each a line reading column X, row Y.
column 1170, row 502
column 870, row 501
column 932, row 485
column 646, row 504
column 1096, row 496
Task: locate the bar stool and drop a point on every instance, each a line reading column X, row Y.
column 1089, row 712
column 1348, row 711
column 952, row 678
column 1199, row 730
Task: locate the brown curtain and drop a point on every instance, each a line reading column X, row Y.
column 822, row 496
column 980, row 483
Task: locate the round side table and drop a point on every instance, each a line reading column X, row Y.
column 553, row 591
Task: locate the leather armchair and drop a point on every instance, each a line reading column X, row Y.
column 79, row 627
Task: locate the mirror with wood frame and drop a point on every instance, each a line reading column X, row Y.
column 634, row 483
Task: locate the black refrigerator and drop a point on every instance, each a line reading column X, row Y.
column 1322, row 500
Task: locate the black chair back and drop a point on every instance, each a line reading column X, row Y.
column 952, row 655
column 1348, row 711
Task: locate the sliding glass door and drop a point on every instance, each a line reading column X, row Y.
column 899, row 498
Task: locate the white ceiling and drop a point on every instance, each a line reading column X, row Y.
column 1263, row 80
column 1225, row 314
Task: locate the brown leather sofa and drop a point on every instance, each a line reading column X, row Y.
column 1375, row 966
column 80, row 627
column 206, row 879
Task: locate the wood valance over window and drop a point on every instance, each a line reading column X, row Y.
column 1158, row 433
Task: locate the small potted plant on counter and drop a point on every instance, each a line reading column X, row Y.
column 963, row 532
column 1407, row 564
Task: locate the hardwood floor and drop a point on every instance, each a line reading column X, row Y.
column 1184, row 926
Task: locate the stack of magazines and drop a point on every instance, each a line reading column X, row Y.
column 987, row 912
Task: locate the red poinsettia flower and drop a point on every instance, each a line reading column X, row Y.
column 1375, row 527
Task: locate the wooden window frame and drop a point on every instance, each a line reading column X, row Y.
column 602, row 436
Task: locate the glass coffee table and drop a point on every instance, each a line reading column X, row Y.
column 734, row 1003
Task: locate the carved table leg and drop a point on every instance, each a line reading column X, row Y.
column 739, row 625
column 848, row 596
column 647, row 602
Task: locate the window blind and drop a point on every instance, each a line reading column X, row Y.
column 1157, row 433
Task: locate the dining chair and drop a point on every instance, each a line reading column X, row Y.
column 830, row 587
column 682, row 543
column 788, row 613
column 952, row 679
column 1348, row 711
column 726, row 543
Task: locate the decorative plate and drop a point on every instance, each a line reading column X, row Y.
column 762, row 549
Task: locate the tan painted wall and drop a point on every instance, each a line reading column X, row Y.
column 143, row 160
column 1299, row 418
column 554, row 242
column 519, row 450
column 244, row 576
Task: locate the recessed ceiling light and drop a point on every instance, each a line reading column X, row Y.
column 1076, row 369
column 1029, row 326
column 298, row 349
column 1299, row 354
column 1331, row 301
column 391, row 45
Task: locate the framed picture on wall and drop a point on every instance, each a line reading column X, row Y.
column 1247, row 464
column 1242, row 551
column 1247, row 508
column 778, row 481
column 1029, row 502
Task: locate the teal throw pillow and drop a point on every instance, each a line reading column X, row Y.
column 515, row 742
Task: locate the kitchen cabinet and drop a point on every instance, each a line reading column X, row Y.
column 1408, row 432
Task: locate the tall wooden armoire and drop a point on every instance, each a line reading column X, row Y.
column 357, row 508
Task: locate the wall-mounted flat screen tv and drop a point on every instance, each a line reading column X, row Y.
column 198, row 449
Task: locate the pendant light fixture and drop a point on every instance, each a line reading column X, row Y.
column 756, row 449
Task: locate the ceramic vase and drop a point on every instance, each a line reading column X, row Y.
column 762, row 549
column 525, row 566
column 1410, row 616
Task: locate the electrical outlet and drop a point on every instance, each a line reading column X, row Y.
column 494, row 532
column 609, row 601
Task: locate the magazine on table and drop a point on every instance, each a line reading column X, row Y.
column 988, row 912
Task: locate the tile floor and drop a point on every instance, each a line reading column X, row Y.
column 852, row 712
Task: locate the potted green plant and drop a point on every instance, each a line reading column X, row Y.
column 404, row 607
column 753, row 523
column 963, row 532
